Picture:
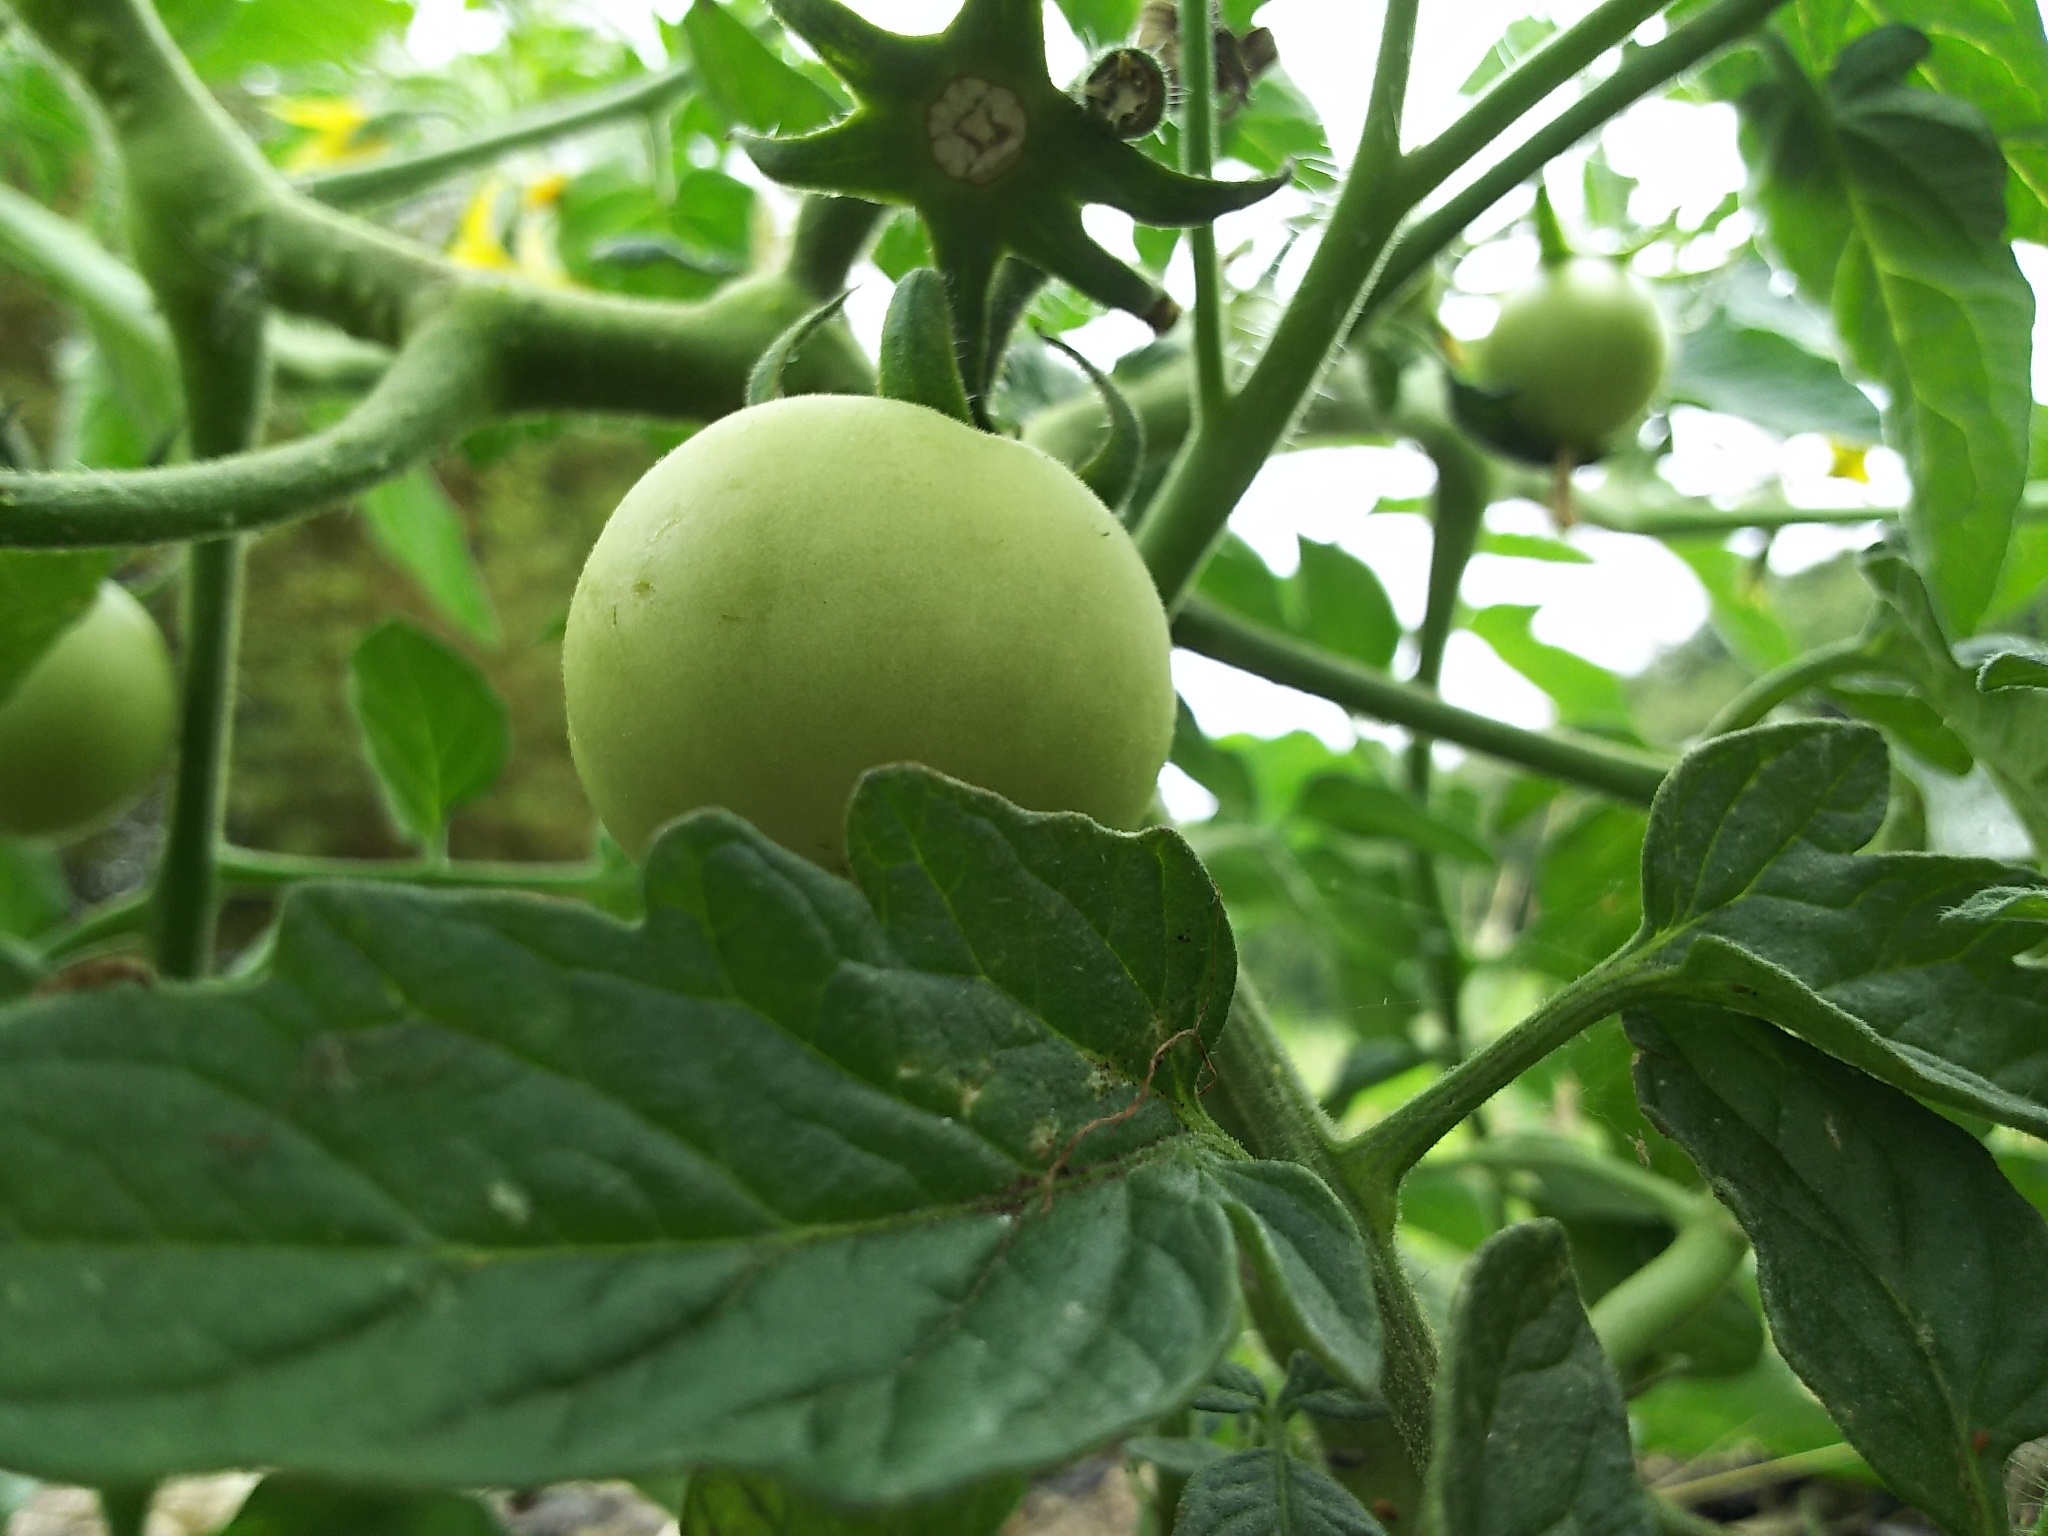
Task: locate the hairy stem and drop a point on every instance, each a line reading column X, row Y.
column 1856, row 654
column 1380, row 1157
column 831, row 232
column 1198, row 158
column 438, row 387
column 1458, row 504
column 256, row 870
column 1642, row 72
column 386, row 180
column 1827, row 1461
column 1611, row 770
column 1221, row 457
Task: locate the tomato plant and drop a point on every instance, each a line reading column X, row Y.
column 760, row 1022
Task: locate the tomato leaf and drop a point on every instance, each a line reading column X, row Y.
column 1587, row 695
column 435, row 731
column 1311, row 1261
column 2014, row 903
column 1899, row 1269
column 746, row 81
column 1756, row 899
column 1532, row 1432
column 740, row 1504
column 1344, row 606
column 420, row 529
column 304, row 1506
column 1269, row 1493
column 1767, row 377
column 2006, row 728
column 1889, row 203
column 1365, row 809
column 856, row 1187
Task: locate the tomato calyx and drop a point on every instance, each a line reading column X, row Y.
column 967, row 127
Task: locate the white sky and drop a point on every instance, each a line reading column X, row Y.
column 1636, row 598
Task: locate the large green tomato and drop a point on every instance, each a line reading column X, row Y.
column 1583, row 347
column 90, row 725
column 814, row 587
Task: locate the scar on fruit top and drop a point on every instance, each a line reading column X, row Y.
column 967, row 127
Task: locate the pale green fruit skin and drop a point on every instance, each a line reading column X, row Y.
column 1584, row 345
column 817, row 586
column 90, row 725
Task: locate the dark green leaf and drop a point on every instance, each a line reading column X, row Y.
column 418, row 527
column 1366, row 809
column 1889, row 203
column 1532, row 1432
column 2006, row 729
column 745, row 80
column 1346, row 609
column 854, row 1187
column 741, row 1504
column 1756, row 899
column 1231, row 1388
column 1586, row 694
column 435, row 731
column 1311, row 1264
column 21, row 967
column 1523, row 36
column 1900, row 1270
column 1269, row 1493
column 303, row 1506
column 41, row 594
column 1588, row 890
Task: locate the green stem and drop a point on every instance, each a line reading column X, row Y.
column 1378, row 1159
column 1766, row 693
column 1640, row 73
column 1222, row 456
column 1674, row 1521
column 1611, row 770
column 1198, row 158
column 830, row 234
column 1633, row 1318
column 254, row 869
column 386, row 180
column 436, row 388
column 1827, row 1461
column 1458, row 503
column 187, row 891
column 1521, row 89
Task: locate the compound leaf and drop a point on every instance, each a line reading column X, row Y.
column 1900, row 1270
column 879, row 1190
column 436, row 732
column 1757, row 900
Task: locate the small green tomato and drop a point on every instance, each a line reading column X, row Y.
column 817, row 586
column 89, row 726
column 1583, row 346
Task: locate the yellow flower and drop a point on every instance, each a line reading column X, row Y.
column 477, row 242
column 331, row 125
column 1848, row 463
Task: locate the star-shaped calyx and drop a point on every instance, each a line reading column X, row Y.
column 967, row 127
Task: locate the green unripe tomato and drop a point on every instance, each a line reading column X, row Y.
column 90, row 725
column 817, row 586
column 1583, row 347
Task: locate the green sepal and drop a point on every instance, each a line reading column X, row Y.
column 919, row 361
column 1550, row 236
column 1016, row 284
column 1488, row 417
column 1112, row 470
column 765, row 382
